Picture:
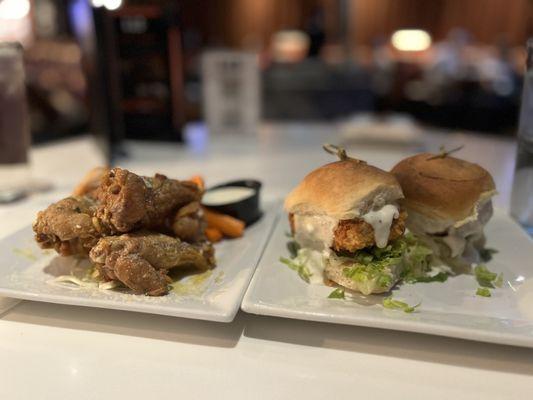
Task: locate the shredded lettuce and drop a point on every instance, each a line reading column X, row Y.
column 337, row 294
column 296, row 265
column 498, row 282
column 486, row 278
column 439, row 277
column 393, row 304
column 370, row 274
column 373, row 266
column 483, row 291
column 417, row 261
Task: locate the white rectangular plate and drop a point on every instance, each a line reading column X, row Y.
column 26, row 271
column 447, row 309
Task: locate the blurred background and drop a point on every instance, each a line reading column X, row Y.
column 154, row 70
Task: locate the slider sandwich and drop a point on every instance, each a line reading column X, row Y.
column 448, row 201
column 346, row 218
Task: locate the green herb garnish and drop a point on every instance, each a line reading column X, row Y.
column 483, row 291
column 337, row 294
column 392, row 304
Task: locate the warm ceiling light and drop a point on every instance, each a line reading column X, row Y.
column 112, row 4
column 14, row 9
column 109, row 4
column 411, row 40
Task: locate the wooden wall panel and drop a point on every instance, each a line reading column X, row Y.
column 245, row 23
column 486, row 20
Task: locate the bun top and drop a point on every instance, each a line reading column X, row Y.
column 443, row 188
column 344, row 190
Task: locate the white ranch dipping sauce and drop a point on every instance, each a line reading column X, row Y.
column 226, row 195
column 317, row 232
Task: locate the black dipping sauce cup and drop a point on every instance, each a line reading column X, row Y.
column 246, row 210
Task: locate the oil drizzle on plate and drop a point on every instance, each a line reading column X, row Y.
column 192, row 285
column 25, row 253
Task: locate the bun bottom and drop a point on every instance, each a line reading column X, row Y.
column 334, row 271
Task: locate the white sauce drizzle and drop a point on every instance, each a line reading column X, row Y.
column 314, row 232
column 314, row 262
column 225, row 195
column 457, row 238
column 381, row 221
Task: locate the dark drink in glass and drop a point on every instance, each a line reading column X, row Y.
column 14, row 125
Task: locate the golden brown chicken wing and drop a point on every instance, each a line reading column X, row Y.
column 128, row 201
column 122, row 202
column 141, row 260
column 67, row 226
column 90, row 182
column 189, row 224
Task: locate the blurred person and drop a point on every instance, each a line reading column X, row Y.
column 316, row 32
column 449, row 53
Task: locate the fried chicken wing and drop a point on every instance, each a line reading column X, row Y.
column 123, row 202
column 90, row 182
column 67, row 226
column 189, row 224
column 128, row 201
column 141, row 260
column 121, row 221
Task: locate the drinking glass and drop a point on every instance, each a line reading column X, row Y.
column 522, row 195
column 14, row 125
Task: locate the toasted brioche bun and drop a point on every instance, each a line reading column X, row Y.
column 344, row 190
column 443, row 188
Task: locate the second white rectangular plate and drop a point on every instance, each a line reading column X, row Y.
column 26, row 271
column 447, row 309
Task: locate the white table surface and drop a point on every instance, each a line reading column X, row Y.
column 50, row 351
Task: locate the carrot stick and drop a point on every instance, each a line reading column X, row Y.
column 229, row 226
column 199, row 181
column 213, row 235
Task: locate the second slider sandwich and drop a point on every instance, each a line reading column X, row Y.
column 449, row 203
column 346, row 213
